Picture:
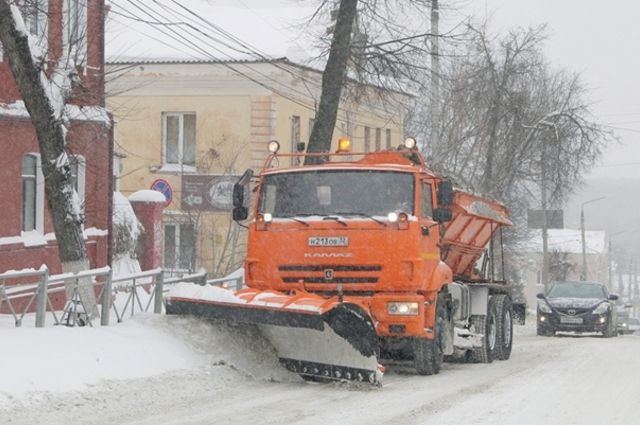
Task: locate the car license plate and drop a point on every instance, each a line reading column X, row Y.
column 328, row 241
column 571, row 320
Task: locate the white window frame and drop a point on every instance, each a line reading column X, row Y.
column 81, row 52
column 40, row 8
column 179, row 166
column 176, row 244
column 39, row 205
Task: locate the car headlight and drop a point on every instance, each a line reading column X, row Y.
column 402, row 308
column 601, row 309
column 544, row 307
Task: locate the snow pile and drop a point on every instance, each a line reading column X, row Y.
column 148, row 195
column 62, row 358
column 126, row 230
column 41, row 362
column 206, row 293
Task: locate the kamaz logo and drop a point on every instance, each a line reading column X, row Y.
column 328, row 255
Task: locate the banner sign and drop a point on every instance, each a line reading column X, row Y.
column 207, row 192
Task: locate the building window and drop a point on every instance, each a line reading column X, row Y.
column 34, row 13
column 378, row 139
column 179, row 141
column 388, row 136
column 295, row 138
column 539, row 278
column 76, row 22
column 179, row 247
column 32, row 194
column 367, row 139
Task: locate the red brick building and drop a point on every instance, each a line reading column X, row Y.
column 26, row 229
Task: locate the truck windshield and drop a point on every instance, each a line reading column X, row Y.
column 337, row 192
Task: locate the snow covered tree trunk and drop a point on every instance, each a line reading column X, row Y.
column 332, row 81
column 44, row 99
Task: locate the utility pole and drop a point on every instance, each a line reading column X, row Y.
column 543, row 196
column 434, row 138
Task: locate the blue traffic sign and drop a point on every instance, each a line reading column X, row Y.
column 163, row 186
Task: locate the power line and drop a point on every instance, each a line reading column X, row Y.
column 159, row 18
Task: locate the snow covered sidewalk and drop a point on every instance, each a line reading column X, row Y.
column 61, row 358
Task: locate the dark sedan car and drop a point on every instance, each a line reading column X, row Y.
column 577, row 307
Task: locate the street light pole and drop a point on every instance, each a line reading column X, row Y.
column 583, row 274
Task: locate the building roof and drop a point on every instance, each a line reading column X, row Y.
column 125, row 63
column 568, row 240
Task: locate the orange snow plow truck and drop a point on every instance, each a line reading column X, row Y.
column 364, row 261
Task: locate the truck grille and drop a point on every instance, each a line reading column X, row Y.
column 339, row 273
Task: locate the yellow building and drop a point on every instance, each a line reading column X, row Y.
column 192, row 127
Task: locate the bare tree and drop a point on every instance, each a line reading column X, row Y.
column 333, row 79
column 505, row 112
column 46, row 86
column 388, row 45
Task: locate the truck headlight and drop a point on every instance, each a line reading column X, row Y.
column 601, row 309
column 403, row 308
column 544, row 307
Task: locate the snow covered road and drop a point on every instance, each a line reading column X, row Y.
column 563, row 380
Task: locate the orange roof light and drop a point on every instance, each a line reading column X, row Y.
column 344, row 145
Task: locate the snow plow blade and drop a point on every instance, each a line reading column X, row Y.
column 313, row 336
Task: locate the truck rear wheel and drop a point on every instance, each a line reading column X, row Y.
column 505, row 327
column 428, row 354
column 488, row 326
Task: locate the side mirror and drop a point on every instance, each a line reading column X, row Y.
column 238, row 195
column 445, row 193
column 540, row 296
column 240, row 213
column 442, row 215
column 613, row 297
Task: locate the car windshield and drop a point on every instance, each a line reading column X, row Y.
column 331, row 192
column 577, row 290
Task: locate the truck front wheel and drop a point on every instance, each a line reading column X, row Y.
column 428, row 354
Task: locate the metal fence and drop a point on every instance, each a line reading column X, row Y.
column 123, row 296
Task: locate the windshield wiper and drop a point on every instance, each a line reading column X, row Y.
column 336, row 218
column 295, row 219
column 361, row 214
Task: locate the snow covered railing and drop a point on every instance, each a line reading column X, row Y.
column 235, row 283
column 122, row 295
column 32, row 291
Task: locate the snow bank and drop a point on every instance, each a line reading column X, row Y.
column 62, row 358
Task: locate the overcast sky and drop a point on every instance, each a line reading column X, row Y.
column 596, row 38
column 599, row 39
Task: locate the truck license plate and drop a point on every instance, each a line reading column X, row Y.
column 328, row 241
column 571, row 320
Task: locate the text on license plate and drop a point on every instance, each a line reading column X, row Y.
column 328, row 241
column 571, row 320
